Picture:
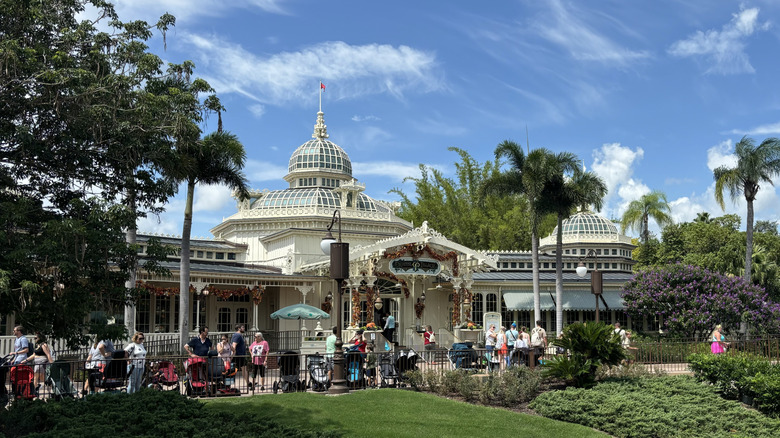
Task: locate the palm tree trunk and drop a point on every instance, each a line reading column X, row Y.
column 749, row 242
column 535, row 277
column 559, row 277
column 131, row 237
column 184, row 270
column 645, row 228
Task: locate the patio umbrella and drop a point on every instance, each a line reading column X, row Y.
column 299, row 311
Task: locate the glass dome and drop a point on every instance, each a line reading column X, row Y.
column 586, row 222
column 316, row 197
column 323, row 155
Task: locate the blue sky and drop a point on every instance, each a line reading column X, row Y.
column 650, row 95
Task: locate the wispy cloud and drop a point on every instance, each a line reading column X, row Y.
column 188, row 10
column 257, row 110
column 393, row 170
column 291, row 77
column 258, row 171
column 368, row 118
column 567, row 28
column 724, row 50
column 767, row 129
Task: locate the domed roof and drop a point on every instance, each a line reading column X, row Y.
column 312, row 197
column 320, row 154
column 587, row 223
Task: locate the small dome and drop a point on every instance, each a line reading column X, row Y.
column 313, row 197
column 587, row 222
column 320, row 154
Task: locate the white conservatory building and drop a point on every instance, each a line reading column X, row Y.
column 267, row 256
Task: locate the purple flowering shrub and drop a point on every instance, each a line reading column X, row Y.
column 690, row 300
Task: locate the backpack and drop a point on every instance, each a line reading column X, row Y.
column 536, row 337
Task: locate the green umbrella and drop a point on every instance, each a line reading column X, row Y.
column 299, row 311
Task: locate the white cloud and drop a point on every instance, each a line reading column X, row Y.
column 257, row 110
column 188, row 10
column 357, row 118
column 724, row 50
column 720, row 155
column 615, row 165
column 569, row 30
column 767, row 129
column 394, row 170
column 257, row 171
column 291, row 77
column 211, row 197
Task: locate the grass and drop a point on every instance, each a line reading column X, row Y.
column 395, row 413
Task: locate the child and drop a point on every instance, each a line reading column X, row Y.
column 371, row 365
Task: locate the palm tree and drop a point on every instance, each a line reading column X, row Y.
column 755, row 165
column 526, row 175
column 637, row 215
column 562, row 194
column 217, row 159
column 703, row 217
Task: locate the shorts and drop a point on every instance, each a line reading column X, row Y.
column 329, row 363
column 239, row 362
column 258, row 369
column 369, row 372
column 40, row 364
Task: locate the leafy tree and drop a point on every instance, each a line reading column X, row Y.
column 639, row 212
column 76, row 126
column 703, row 216
column 755, row 165
column 588, row 346
column 456, row 208
column 768, row 227
column 690, row 300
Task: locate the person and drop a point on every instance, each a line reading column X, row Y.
column 718, row 345
column 239, row 351
column 359, row 341
column 199, row 345
column 490, row 339
column 330, row 351
column 136, row 354
column 620, row 332
column 525, row 336
column 521, row 346
column 512, row 336
column 389, row 328
column 371, row 365
column 538, row 341
column 429, row 342
column 225, row 351
column 630, row 351
column 21, row 346
column 259, row 350
column 100, row 354
column 501, row 347
column 41, row 357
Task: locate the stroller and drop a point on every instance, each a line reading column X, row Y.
column 318, row 374
column 388, row 374
column 114, row 376
column 22, row 382
column 405, row 360
column 221, row 375
column 162, row 375
column 462, row 356
column 353, row 368
column 196, row 383
column 289, row 370
column 58, row 377
column 519, row 357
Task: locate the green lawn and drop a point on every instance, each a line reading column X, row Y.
column 396, row 413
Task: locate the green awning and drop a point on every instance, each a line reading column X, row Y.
column 572, row 300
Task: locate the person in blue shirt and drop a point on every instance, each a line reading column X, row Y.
column 239, row 351
column 21, row 346
column 389, row 327
column 199, row 345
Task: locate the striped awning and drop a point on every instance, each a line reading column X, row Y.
column 572, row 300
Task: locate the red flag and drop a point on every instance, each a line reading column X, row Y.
column 322, row 86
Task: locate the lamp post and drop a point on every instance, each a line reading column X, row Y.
column 596, row 284
column 339, row 270
column 198, row 293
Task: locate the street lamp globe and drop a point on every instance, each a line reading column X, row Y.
column 326, row 241
column 582, row 269
column 378, row 303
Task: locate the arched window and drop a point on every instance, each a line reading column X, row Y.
column 477, row 308
column 492, row 303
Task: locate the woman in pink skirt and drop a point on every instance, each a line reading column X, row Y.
column 717, row 339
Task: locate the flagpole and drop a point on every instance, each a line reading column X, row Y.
column 320, row 96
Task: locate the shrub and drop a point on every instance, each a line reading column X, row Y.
column 663, row 407
column 432, row 380
column 468, row 388
column 588, row 346
column 728, row 372
column 415, row 379
column 147, row 413
column 764, row 387
column 451, row 380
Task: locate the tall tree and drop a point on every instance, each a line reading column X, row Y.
column 526, row 175
column 568, row 189
column 216, row 159
column 73, row 116
column 639, row 212
column 755, row 165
